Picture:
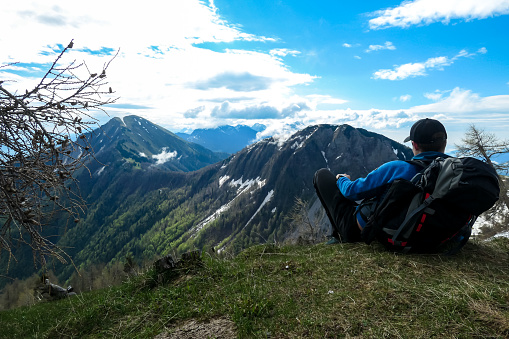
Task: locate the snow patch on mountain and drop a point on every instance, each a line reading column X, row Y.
column 502, row 235
column 299, row 140
column 99, row 172
column 245, row 185
column 298, row 143
column 212, row 217
column 280, row 139
column 488, row 220
column 223, row 179
column 264, row 202
column 326, row 161
column 250, row 147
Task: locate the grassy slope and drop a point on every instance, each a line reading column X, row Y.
column 310, row 291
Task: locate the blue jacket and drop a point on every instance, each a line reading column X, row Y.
column 377, row 181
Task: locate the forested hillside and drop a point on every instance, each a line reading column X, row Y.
column 126, row 153
column 144, row 209
column 243, row 200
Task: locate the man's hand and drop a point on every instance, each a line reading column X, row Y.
column 342, row 175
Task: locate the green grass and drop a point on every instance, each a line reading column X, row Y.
column 291, row 292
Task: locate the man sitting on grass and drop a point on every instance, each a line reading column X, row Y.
column 338, row 194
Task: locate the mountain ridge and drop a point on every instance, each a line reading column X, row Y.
column 148, row 144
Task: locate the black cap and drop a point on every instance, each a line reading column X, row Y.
column 427, row 131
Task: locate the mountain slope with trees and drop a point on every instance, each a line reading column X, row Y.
column 126, row 158
column 246, row 199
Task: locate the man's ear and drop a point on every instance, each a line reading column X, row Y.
column 415, row 146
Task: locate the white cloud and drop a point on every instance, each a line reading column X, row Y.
column 282, row 52
column 194, row 112
column 433, row 96
column 94, row 24
column 419, row 68
column 405, row 98
column 436, row 95
column 388, row 45
column 161, row 67
column 401, row 72
column 373, row 119
column 317, row 99
column 280, row 130
column 164, row 156
column 170, row 77
column 457, row 109
column 425, row 12
column 482, row 50
column 465, row 101
column 263, row 111
column 437, row 62
column 348, row 45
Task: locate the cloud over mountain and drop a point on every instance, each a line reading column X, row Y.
column 225, row 110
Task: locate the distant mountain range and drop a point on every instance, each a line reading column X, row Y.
column 139, row 141
column 151, row 192
column 229, row 139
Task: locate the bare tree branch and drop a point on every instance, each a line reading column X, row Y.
column 43, row 141
column 300, row 217
column 481, row 144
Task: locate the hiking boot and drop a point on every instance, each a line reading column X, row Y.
column 332, row 241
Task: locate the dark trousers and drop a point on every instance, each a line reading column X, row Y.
column 340, row 210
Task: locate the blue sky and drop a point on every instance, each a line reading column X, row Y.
column 185, row 64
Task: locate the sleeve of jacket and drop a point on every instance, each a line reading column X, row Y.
column 376, row 181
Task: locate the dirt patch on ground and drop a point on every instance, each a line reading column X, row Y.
column 221, row 328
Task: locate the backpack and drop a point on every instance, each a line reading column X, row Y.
column 434, row 212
